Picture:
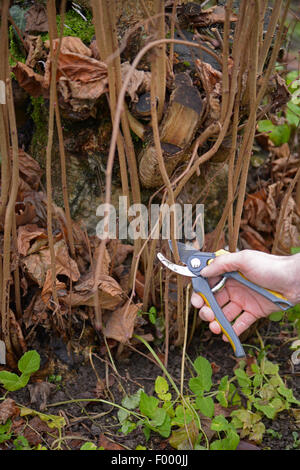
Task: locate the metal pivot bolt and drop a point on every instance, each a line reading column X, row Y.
column 195, row 262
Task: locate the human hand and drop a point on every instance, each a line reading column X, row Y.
column 240, row 303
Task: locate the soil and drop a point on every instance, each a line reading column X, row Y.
column 84, row 375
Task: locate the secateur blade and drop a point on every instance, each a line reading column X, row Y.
column 183, row 270
column 184, row 251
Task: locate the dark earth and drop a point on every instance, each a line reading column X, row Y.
column 84, row 376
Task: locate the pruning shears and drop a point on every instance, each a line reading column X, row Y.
column 195, row 261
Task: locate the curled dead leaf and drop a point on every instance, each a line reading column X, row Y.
column 109, row 291
column 79, row 75
column 8, row 409
column 139, row 82
column 27, row 233
column 38, row 264
column 30, row 170
column 31, row 81
column 120, row 324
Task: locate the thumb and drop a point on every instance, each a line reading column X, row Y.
column 222, row 264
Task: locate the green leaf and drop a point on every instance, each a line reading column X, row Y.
column 288, row 394
column 276, row 316
column 219, row 423
column 242, row 378
column 132, row 402
column 222, row 395
column 268, row 410
column 127, row 427
column 230, row 442
column 11, row 381
column 270, row 368
column 182, row 416
column 295, row 249
column 257, row 380
column 21, row 443
column 29, row 362
column 161, row 389
column 122, row 415
column 148, row 404
column 292, row 114
column 53, row 421
column 88, row 446
column 277, row 134
column 204, row 370
column 5, row 433
column 206, row 406
column 165, row 428
column 158, row 417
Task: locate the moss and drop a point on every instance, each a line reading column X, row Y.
column 38, row 114
column 16, row 54
column 75, row 25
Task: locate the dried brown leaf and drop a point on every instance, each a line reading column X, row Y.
column 138, row 83
column 38, row 264
column 31, row 81
column 79, row 75
column 30, row 170
column 70, row 44
column 110, row 292
column 37, row 19
column 8, row 409
column 120, row 324
column 251, row 239
column 40, row 392
column 118, row 251
column 108, row 444
column 27, row 233
column 256, row 211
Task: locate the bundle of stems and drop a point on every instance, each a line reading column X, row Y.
column 252, row 55
column 251, row 48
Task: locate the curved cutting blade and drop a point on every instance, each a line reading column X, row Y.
column 183, row 270
column 185, row 251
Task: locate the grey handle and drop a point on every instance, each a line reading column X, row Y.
column 201, row 286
